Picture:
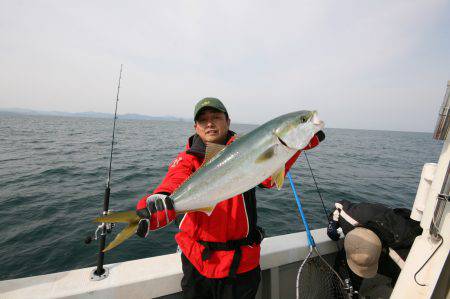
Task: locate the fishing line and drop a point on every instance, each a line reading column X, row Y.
column 317, row 188
column 327, row 213
column 343, row 264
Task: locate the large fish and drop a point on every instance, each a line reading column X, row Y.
column 231, row 170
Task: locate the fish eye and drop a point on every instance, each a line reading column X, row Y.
column 303, row 119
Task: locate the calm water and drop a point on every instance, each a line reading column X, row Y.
column 53, row 173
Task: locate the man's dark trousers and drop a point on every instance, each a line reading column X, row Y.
column 195, row 285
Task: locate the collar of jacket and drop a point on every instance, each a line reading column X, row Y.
column 197, row 147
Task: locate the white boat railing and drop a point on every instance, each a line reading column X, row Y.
column 161, row 275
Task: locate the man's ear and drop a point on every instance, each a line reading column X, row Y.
column 228, row 122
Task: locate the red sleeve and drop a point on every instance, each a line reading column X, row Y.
column 313, row 143
column 180, row 169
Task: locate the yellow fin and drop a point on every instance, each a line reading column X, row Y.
column 266, row 155
column 127, row 232
column 278, row 178
column 124, row 217
column 212, row 149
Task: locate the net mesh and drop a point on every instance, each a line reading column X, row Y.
column 317, row 279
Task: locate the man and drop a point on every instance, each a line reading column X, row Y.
column 377, row 238
column 220, row 252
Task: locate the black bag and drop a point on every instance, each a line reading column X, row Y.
column 395, row 228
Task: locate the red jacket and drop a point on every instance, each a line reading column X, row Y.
column 231, row 219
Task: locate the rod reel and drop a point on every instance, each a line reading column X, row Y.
column 108, row 226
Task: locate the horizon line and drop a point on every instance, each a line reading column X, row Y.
column 23, row 111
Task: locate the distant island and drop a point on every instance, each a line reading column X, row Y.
column 88, row 114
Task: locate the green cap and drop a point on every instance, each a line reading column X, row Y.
column 210, row 103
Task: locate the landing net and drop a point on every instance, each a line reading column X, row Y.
column 317, row 279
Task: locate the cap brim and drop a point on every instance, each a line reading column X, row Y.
column 208, row 107
column 364, row 272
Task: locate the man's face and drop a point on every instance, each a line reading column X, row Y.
column 212, row 126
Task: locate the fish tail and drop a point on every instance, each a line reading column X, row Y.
column 128, row 217
column 126, row 233
column 122, row 217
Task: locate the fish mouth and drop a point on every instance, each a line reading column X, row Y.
column 316, row 121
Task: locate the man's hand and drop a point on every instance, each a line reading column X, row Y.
column 320, row 135
column 332, row 232
column 155, row 211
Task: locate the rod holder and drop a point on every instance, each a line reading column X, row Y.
column 95, row 277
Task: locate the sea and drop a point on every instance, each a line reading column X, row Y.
column 53, row 172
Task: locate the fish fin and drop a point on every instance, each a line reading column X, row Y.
column 124, row 217
column 266, row 155
column 126, row 233
column 278, row 177
column 212, row 149
column 206, row 210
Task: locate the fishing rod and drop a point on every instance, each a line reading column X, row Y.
column 101, row 272
column 332, row 285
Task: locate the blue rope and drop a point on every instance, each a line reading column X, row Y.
column 300, row 209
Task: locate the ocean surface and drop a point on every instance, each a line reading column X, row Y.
column 53, row 172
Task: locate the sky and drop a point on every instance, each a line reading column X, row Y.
column 361, row 64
